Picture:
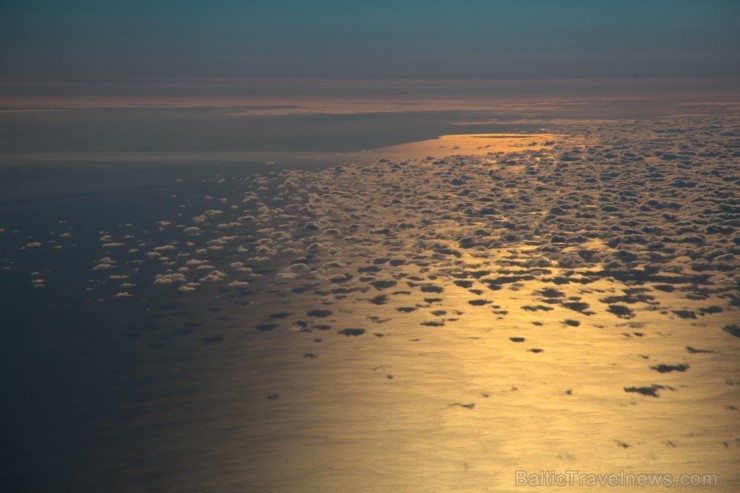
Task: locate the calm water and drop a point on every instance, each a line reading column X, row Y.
column 73, row 365
column 116, row 381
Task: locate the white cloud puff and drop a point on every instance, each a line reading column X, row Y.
column 214, row 276
column 164, row 279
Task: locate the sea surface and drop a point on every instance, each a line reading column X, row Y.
column 389, row 302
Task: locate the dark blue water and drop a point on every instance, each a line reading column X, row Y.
column 71, row 356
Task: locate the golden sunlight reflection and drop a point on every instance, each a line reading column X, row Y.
column 439, row 323
column 460, row 144
column 440, row 316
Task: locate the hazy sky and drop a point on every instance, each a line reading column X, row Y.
column 78, row 40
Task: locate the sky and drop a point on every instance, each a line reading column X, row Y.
column 100, row 76
column 99, row 40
